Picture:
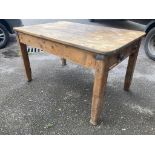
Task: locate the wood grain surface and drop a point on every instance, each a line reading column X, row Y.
column 94, row 38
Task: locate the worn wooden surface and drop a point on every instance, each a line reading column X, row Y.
column 98, row 39
column 100, row 81
column 26, row 61
column 98, row 47
column 76, row 55
column 130, row 70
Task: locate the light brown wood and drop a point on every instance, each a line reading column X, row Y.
column 79, row 56
column 23, row 49
column 63, row 62
column 122, row 54
column 76, row 55
column 97, row 47
column 101, row 74
column 93, row 38
column 130, row 68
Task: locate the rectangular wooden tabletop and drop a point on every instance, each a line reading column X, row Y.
column 98, row 47
column 93, row 38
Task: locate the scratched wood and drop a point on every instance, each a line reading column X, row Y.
column 100, row 80
column 98, row 39
column 101, row 48
column 26, row 61
column 76, row 55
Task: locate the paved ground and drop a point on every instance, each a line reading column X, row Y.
column 58, row 99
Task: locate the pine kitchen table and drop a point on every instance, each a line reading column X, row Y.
column 97, row 47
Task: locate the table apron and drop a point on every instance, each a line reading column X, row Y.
column 82, row 57
column 123, row 53
column 85, row 58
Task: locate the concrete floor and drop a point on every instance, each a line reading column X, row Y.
column 58, row 100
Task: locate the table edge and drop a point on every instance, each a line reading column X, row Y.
column 79, row 46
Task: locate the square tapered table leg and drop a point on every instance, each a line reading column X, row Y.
column 130, row 68
column 23, row 49
column 101, row 74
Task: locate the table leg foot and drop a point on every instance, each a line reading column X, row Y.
column 63, row 62
column 93, row 122
column 29, row 80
